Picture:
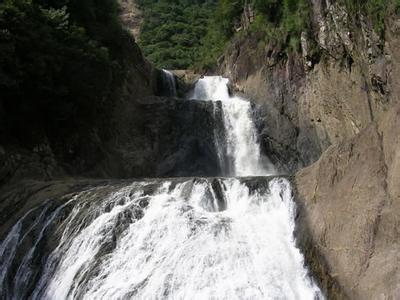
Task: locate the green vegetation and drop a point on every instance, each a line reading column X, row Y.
column 60, row 64
column 194, row 34
column 283, row 21
column 221, row 28
column 172, row 30
column 187, row 34
column 276, row 21
column 280, row 23
column 375, row 10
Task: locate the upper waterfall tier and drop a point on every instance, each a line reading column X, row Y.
column 239, row 149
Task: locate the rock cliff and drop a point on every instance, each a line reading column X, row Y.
column 337, row 113
column 349, row 213
column 308, row 102
column 151, row 136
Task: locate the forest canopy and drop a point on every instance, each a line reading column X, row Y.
column 172, row 30
column 60, row 62
column 193, row 34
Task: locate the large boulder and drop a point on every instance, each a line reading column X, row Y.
column 349, row 220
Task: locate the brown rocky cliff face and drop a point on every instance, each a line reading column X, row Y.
column 305, row 106
column 131, row 16
column 349, row 213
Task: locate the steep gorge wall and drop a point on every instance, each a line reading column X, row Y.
column 339, row 116
column 304, row 106
column 349, row 217
column 151, row 136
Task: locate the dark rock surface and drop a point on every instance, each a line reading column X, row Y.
column 151, row 136
column 166, row 137
column 186, row 80
column 42, row 150
column 136, row 134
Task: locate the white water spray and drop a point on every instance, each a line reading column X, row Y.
column 195, row 239
column 241, row 140
column 167, row 239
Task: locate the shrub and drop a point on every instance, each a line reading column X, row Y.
column 171, row 32
column 60, row 62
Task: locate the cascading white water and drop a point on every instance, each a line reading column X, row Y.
column 199, row 238
column 171, row 83
column 241, row 141
column 196, row 239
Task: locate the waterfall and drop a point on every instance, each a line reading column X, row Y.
column 242, row 146
column 170, row 82
column 180, row 238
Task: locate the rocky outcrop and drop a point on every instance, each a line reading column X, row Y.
column 344, row 78
column 151, row 136
column 164, row 137
column 349, row 213
column 131, row 16
column 185, row 79
column 247, row 17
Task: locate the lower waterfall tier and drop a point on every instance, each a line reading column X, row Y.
column 179, row 238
